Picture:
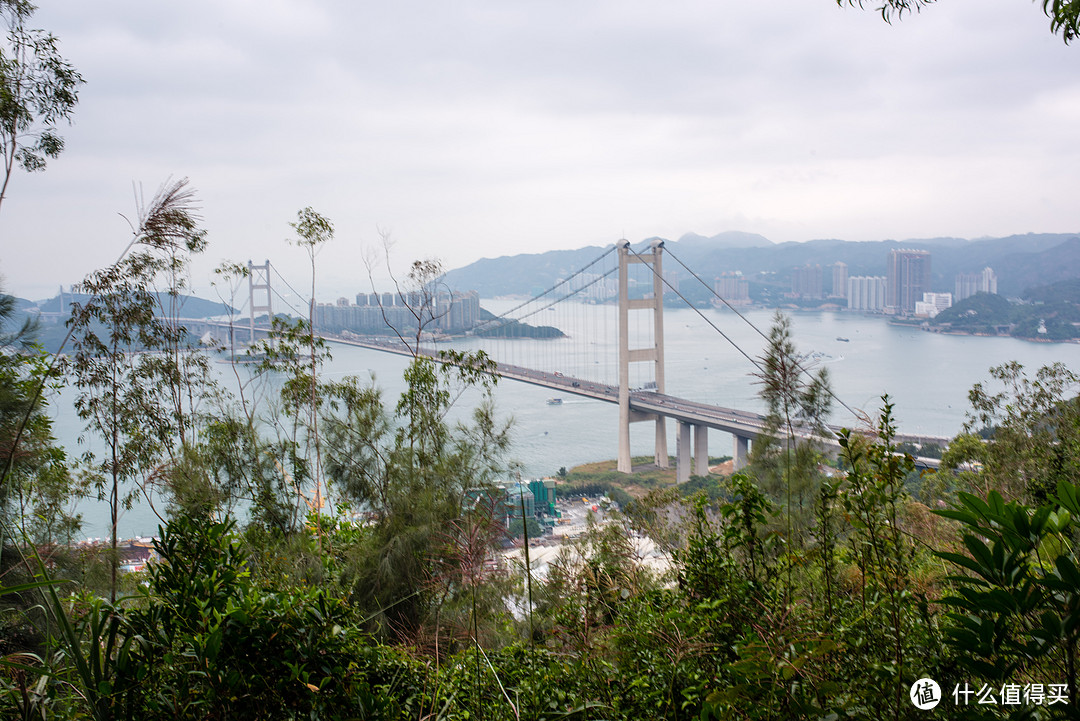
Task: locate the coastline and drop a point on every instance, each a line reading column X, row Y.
column 953, row 331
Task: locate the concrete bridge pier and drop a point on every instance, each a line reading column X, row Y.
column 742, row 448
column 661, row 454
column 701, row 450
column 682, row 452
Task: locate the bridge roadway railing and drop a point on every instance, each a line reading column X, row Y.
column 691, row 416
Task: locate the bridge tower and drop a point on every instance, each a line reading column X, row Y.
column 259, row 279
column 628, row 355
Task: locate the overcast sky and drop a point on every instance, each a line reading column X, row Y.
column 473, row 128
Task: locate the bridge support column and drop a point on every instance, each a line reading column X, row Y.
column 661, row 442
column 682, row 452
column 701, row 450
column 742, row 447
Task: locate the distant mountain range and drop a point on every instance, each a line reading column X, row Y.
column 190, row 306
column 54, row 312
column 1022, row 262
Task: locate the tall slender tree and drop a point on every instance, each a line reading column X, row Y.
column 131, row 394
column 312, row 232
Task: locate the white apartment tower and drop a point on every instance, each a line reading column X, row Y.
column 968, row 284
column 866, row 292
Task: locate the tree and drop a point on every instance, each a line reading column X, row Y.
column 1017, row 602
column 418, row 293
column 37, row 488
column 787, row 453
column 1034, row 434
column 1064, row 14
column 133, row 379
column 294, row 354
column 414, row 471
column 38, row 89
column 313, row 231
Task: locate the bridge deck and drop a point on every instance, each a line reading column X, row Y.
column 746, row 424
column 646, row 404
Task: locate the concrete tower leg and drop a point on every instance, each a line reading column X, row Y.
column 623, row 464
column 658, row 342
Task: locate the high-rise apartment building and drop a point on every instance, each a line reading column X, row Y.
column 968, row 284
column 839, row 280
column 908, row 279
column 806, row 282
column 733, row 288
column 458, row 312
column 866, row 292
column 671, row 282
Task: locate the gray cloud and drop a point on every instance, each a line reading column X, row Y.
column 482, row 128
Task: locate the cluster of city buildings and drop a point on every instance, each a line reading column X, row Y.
column 448, row 312
column 733, row 287
column 593, row 287
column 905, row 290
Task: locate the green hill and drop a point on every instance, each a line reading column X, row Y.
column 981, row 313
column 1049, row 319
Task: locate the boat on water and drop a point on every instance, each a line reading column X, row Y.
column 240, row 356
column 243, row 360
column 842, row 340
column 554, row 401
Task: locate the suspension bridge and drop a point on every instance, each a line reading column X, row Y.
column 596, row 333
